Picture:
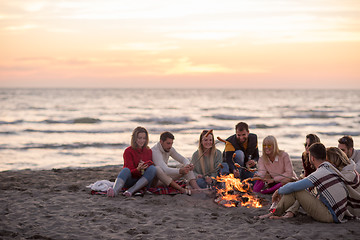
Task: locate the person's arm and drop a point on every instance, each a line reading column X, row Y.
column 358, row 166
column 178, row 157
column 158, row 160
column 253, row 149
column 288, row 169
column 295, row 186
column 357, row 160
column 261, row 168
column 148, row 157
column 217, row 161
column 256, row 154
column 196, row 162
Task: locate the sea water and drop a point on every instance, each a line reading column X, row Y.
column 57, row 128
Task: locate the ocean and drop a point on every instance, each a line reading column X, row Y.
column 60, row 128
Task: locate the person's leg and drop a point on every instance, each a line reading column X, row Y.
column 122, row 177
column 168, row 181
column 312, row 205
column 239, row 158
column 201, row 183
column 291, row 212
column 294, row 209
column 162, row 176
column 190, row 177
column 224, row 170
column 285, row 202
column 146, row 179
column 271, row 189
column 258, row 186
column 244, row 174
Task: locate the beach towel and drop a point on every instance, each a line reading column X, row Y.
column 101, row 185
column 100, row 188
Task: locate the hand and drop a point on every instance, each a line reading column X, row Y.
column 184, row 170
column 190, row 166
column 142, row 166
column 250, row 163
column 269, row 180
column 236, row 173
column 200, row 176
column 208, row 180
column 276, row 196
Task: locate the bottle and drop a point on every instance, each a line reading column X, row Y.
column 250, row 158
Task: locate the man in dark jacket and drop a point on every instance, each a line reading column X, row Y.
column 245, row 146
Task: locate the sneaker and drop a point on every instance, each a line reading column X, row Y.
column 127, row 194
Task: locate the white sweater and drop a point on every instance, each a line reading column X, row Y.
column 161, row 159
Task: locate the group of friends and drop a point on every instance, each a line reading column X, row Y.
column 328, row 188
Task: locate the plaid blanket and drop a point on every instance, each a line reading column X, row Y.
column 160, row 190
column 351, row 178
column 331, row 187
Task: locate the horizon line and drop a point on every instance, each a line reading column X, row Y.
column 183, row 88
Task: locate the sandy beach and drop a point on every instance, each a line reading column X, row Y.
column 55, row 204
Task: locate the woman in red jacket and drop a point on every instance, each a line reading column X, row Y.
column 138, row 170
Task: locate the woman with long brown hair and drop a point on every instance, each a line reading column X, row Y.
column 138, row 170
column 207, row 160
column 308, row 167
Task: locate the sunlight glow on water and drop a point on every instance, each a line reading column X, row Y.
column 54, row 128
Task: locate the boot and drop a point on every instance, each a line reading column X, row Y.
column 142, row 182
column 118, row 185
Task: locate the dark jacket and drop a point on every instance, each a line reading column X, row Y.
column 233, row 145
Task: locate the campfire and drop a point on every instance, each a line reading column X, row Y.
column 236, row 193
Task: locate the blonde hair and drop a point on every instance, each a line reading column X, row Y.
column 271, row 140
column 201, row 152
column 134, row 136
column 337, row 157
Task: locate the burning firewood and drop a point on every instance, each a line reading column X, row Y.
column 236, row 193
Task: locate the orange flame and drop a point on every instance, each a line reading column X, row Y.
column 229, row 197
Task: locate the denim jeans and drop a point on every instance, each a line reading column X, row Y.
column 240, row 159
column 223, row 171
column 129, row 181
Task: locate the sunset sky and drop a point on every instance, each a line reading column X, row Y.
column 188, row 43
